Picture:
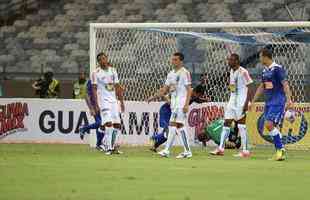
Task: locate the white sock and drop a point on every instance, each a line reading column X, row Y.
column 183, row 137
column 244, row 137
column 115, row 135
column 109, row 133
column 275, row 132
column 171, row 137
column 224, row 135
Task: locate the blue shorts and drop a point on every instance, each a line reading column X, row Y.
column 97, row 118
column 274, row 113
column 164, row 115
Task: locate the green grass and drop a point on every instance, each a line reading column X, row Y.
column 64, row 172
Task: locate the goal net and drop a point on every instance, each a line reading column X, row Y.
column 141, row 53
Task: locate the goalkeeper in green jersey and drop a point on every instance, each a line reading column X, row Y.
column 213, row 132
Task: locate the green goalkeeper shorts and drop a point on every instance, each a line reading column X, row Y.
column 214, row 130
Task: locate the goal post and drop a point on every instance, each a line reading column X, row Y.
column 131, row 46
column 141, row 53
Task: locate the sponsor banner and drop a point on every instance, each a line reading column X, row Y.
column 58, row 120
column 295, row 132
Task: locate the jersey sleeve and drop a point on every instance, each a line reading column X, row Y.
column 93, row 78
column 187, row 78
column 280, row 74
column 246, row 77
column 115, row 76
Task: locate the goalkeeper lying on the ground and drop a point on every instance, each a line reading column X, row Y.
column 213, row 132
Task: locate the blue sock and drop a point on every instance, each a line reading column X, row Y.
column 100, row 136
column 159, row 139
column 95, row 125
column 277, row 141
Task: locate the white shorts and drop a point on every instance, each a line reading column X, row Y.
column 110, row 113
column 235, row 113
column 178, row 116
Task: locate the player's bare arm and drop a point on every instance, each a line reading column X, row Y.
column 248, row 98
column 288, row 94
column 120, row 95
column 258, row 92
column 160, row 93
column 188, row 97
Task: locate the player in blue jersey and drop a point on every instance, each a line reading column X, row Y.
column 99, row 133
column 277, row 96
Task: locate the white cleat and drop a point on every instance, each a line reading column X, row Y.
column 104, row 147
column 164, row 153
column 109, row 152
column 185, row 155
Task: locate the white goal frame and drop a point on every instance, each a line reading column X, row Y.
column 93, row 26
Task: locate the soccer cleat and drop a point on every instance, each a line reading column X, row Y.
column 99, row 148
column 187, row 154
column 217, row 152
column 164, row 153
column 117, row 152
column 280, row 155
column 109, row 152
column 243, row 154
column 104, row 147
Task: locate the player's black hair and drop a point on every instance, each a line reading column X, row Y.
column 236, row 56
column 199, row 89
column 180, row 55
column 99, row 56
column 266, row 53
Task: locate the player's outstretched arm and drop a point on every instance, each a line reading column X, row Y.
column 160, row 93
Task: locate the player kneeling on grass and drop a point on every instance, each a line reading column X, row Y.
column 277, row 94
column 107, row 92
column 178, row 84
column 165, row 114
column 237, row 106
column 91, row 105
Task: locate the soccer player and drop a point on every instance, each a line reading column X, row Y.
column 90, row 101
column 237, row 106
column 108, row 91
column 277, row 93
column 198, row 96
column 178, row 84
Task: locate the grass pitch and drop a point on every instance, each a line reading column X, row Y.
column 64, row 172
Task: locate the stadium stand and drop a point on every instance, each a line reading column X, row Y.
column 41, row 34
